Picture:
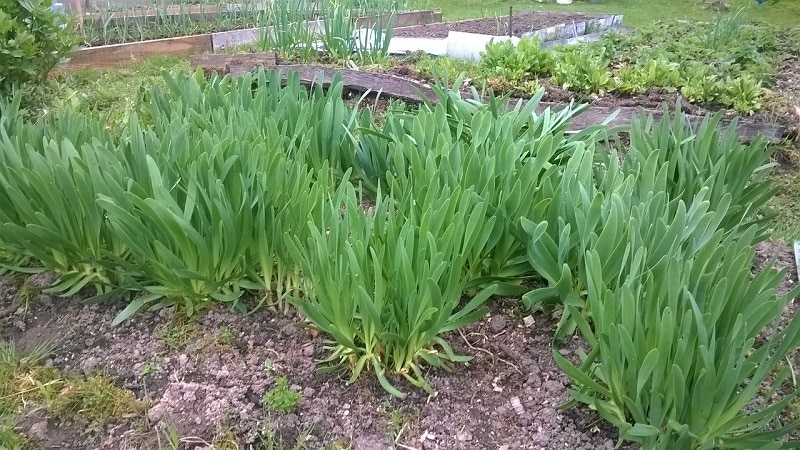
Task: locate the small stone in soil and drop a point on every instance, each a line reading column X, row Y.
column 498, row 323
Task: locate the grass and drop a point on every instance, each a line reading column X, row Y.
column 25, row 384
column 109, row 92
column 786, row 204
column 784, row 13
column 178, row 332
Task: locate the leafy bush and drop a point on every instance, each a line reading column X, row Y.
column 673, row 360
column 743, row 94
column 654, row 73
column 32, row 41
column 386, row 284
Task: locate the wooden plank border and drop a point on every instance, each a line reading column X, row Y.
column 109, row 56
column 412, row 91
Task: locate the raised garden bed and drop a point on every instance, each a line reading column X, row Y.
column 102, row 57
column 521, row 23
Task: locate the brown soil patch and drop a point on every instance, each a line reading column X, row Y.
column 208, row 377
column 521, row 23
column 204, row 385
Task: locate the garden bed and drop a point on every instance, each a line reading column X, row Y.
column 521, row 23
column 205, row 379
column 106, row 56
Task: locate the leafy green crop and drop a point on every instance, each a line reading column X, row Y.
column 584, row 70
column 517, row 63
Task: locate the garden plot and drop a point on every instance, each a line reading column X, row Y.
column 449, row 267
column 468, row 39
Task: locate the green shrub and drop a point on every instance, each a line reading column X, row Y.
column 651, row 260
column 743, row 94
column 32, row 42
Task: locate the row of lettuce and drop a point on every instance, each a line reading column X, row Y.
column 387, row 232
column 726, row 62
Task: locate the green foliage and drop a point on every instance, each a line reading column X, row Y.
column 653, row 73
column 445, row 67
column 293, row 36
column 651, row 261
column 725, row 29
column 743, row 94
column 388, row 283
column 524, row 61
column 584, row 70
column 281, row 398
column 50, row 177
column 389, row 232
column 32, row 42
column 165, row 20
column 673, row 359
column 721, row 64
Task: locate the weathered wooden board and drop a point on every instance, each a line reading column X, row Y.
column 222, row 63
column 378, row 83
column 748, row 129
column 112, row 55
column 412, row 91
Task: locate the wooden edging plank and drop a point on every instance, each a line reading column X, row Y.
column 109, row 56
column 383, row 84
column 222, row 63
column 412, row 91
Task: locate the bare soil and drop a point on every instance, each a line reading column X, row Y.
column 207, row 377
column 204, row 384
column 522, row 22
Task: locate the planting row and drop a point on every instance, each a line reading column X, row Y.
column 722, row 63
column 388, row 232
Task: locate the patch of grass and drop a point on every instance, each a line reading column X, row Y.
column 24, row 381
column 95, row 398
column 398, row 419
column 225, row 336
column 786, row 204
column 226, row 440
column 271, row 441
column 110, row 93
column 10, row 439
column 178, row 332
column 782, row 13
